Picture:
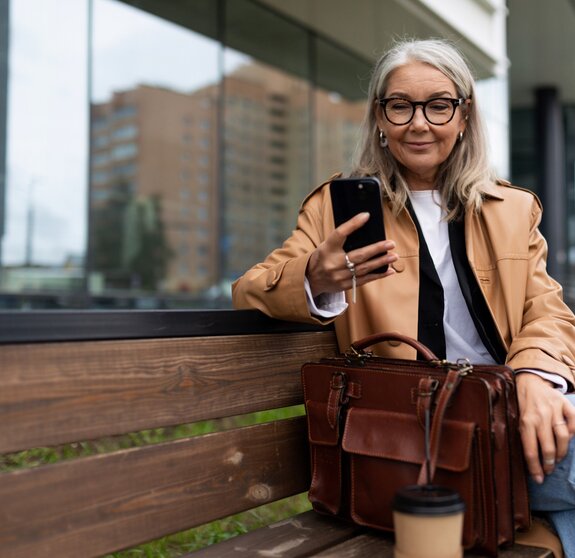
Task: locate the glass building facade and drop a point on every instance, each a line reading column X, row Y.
column 155, row 150
column 526, row 163
column 152, row 151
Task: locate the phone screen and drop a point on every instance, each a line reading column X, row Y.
column 350, row 196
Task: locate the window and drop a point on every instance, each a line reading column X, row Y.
column 124, row 151
column 100, row 159
column 129, row 131
column 172, row 164
column 126, row 111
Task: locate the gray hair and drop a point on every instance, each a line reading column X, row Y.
column 462, row 175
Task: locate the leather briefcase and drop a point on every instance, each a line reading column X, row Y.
column 366, row 427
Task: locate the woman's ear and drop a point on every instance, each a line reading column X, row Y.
column 379, row 117
column 466, row 109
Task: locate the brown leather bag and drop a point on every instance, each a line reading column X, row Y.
column 366, row 425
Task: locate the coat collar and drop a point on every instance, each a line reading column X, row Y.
column 492, row 190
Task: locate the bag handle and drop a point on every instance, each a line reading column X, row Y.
column 393, row 336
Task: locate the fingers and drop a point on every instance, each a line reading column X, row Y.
column 338, row 236
column 364, row 270
column 328, row 270
column 562, row 437
column 531, row 453
column 564, row 428
column 372, row 257
column 547, row 423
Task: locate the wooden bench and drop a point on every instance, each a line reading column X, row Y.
column 75, row 376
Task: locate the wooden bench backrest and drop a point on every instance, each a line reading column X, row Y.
column 61, row 392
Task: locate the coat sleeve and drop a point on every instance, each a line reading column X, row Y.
column 546, row 340
column 276, row 285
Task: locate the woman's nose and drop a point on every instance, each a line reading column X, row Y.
column 419, row 120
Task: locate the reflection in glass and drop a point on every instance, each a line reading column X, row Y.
column 45, row 133
column 154, row 122
column 339, row 108
column 199, row 136
column 267, row 153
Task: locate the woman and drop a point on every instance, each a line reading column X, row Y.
column 467, row 272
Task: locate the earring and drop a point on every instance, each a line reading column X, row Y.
column 382, row 139
column 460, row 136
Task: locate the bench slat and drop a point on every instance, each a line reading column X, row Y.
column 380, row 545
column 302, row 535
column 311, row 534
column 65, row 392
column 95, row 505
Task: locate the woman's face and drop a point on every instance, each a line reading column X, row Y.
column 420, row 146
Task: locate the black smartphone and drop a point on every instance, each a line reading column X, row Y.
column 350, row 196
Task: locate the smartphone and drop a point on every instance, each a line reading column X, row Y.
column 350, row 196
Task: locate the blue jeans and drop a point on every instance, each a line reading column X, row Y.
column 556, row 497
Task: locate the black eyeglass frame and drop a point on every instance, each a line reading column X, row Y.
column 423, row 104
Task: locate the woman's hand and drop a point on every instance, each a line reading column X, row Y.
column 327, row 271
column 547, row 423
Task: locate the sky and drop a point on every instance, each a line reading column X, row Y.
column 48, row 92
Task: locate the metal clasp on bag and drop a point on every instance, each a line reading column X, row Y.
column 353, row 356
column 462, row 365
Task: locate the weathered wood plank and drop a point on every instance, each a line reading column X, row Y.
column 95, row 505
column 63, row 392
column 372, row 544
column 311, row 534
column 517, row 551
column 302, row 535
column 381, row 545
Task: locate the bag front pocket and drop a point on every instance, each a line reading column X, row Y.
column 387, row 450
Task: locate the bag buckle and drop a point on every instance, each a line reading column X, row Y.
column 429, row 389
column 339, row 385
column 461, row 364
column 354, row 356
column 337, row 397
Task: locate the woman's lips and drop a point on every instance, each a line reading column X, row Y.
column 419, row 145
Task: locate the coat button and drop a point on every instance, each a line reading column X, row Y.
column 399, row 266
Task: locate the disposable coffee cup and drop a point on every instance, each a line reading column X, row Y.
column 428, row 522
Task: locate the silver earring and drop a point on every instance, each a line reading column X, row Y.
column 382, row 139
column 460, row 136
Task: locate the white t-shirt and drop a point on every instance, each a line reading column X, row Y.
column 461, row 337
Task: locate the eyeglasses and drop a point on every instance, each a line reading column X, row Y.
column 436, row 111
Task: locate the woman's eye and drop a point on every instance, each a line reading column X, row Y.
column 438, row 106
column 399, row 106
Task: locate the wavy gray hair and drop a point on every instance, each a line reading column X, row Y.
column 462, row 175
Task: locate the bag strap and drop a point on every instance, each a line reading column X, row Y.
column 450, row 385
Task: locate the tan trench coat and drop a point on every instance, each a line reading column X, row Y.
column 505, row 249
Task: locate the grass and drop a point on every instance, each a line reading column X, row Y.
column 43, row 456
column 217, row 531
column 177, row 544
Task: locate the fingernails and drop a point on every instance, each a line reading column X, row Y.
column 538, row 479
